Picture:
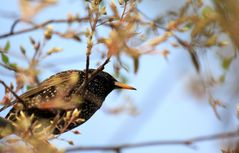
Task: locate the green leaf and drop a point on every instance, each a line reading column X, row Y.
column 208, row 12
column 227, row 62
column 13, row 65
column 187, row 27
column 5, row 58
column 222, row 78
column 29, row 87
column 23, row 50
column 136, row 65
column 194, row 59
column 7, row 46
column 211, row 41
column 33, row 42
column 222, row 43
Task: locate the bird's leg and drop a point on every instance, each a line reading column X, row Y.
column 14, row 94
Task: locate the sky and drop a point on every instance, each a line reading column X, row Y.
column 167, row 110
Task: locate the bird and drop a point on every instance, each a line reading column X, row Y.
column 61, row 103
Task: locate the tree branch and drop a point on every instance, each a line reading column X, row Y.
column 187, row 142
column 9, row 67
column 88, row 52
column 14, row 25
column 99, row 69
column 14, row 94
column 187, row 46
column 123, row 13
column 37, row 26
column 191, row 52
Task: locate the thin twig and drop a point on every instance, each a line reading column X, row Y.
column 99, row 69
column 88, row 52
column 123, row 13
column 9, row 67
column 93, row 74
column 14, row 94
column 147, row 17
column 189, row 48
column 105, row 21
column 14, row 25
column 191, row 52
column 5, row 107
column 186, row 142
column 86, row 70
column 38, row 26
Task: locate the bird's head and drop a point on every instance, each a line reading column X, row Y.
column 104, row 83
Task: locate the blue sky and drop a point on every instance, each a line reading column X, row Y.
column 167, row 110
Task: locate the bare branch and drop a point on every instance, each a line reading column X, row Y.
column 187, row 142
column 99, row 69
column 191, row 52
column 125, row 6
column 86, row 70
column 105, row 21
column 38, row 26
column 89, row 48
column 14, row 25
column 147, row 17
column 9, row 67
column 14, row 94
column 187, row 46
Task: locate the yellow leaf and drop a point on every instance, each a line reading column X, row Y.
column 156, row 41
column 211, row 41
column 114, row 9
column 199, row 27
column 121, row 2
column 29, row 9
column 54, row 50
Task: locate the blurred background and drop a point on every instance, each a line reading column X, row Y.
column 171, row 101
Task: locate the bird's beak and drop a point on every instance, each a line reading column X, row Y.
column 123, row 86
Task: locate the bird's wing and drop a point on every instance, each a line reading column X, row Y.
column 68, row 77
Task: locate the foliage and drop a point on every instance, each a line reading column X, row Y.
column 207, row 26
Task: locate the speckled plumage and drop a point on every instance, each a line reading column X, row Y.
column 60, row 96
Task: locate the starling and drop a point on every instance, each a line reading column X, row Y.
column 59, row 102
